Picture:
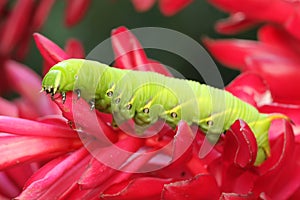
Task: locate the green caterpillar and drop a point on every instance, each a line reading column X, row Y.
column 146, row 97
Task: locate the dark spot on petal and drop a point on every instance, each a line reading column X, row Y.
column 182, row 174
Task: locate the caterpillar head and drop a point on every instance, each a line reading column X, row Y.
column 61, row 76
column 51, row 81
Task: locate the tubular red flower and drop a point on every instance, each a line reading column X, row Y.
column 242, row 51
column 75, row 11
column 15, row 26
column 234, row 24
column 171, row 7
column 42, row 11
column 27, row 83
column 262, row 11
column 275, row 36
column 272, row 61
column 51, row 53
column 167, row 7
column 142, row 5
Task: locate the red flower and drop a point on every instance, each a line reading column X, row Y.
column 75, row 11
column 271, row 67
column 32, row 130
column 274, row 57
column 20, row 20
column 167, row 7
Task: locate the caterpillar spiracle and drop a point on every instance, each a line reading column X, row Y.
column 146, row 97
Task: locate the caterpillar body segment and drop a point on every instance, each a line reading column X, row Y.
column 146, row 97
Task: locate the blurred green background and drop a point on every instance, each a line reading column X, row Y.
column 196, row 20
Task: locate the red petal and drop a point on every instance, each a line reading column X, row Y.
column 7, row 108
column 75, row 11
column 130, row 169
column 2, row 5
column 19, row 149
column 291, row 23
column 282, row 170
column 4, row 84
column 21, row 173
column 276, row 36
column 240, row 149
column 275, row 68
column 182, row 140
column 79, row 113
column 56, row 177
column 180, row 152
column 16, row 25
column 8, row 187
column 171, row 7
column 26, row 127
column 202, row 186
column 287, row 14
column 140, row 188
column 142, row 5
column 240, row 145
column 130, row 55
column 42, row 11
column 51, row 53
column 249, row 6
column 156, row 66
column 251, row 88
column 235, row 53
column 292, row 111
column 27, row 83
column 100, row 168
column 259, row 10
column 296, row 194
column 23, row 47
column 74, row 48
column 235, row 196
column 281, row 149
column 236, row 23
column 26, row 109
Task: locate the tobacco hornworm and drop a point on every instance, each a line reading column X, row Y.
column 146, row 97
